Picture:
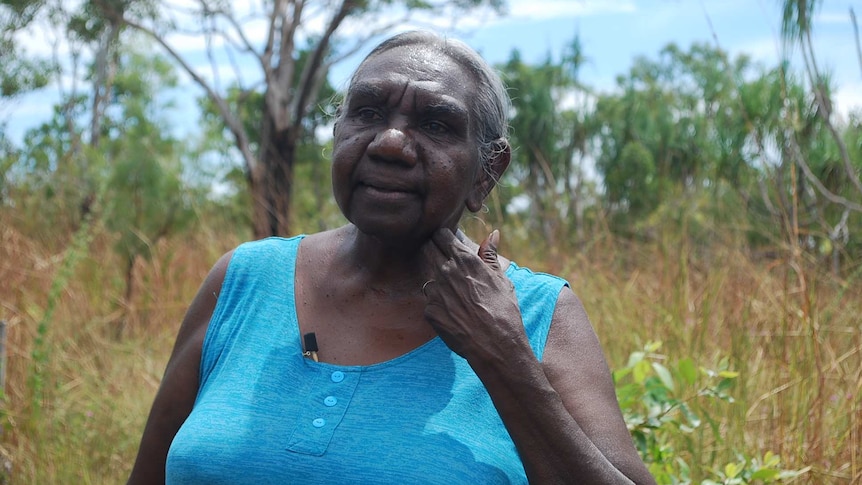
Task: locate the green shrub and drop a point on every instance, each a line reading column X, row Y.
column 661, row 403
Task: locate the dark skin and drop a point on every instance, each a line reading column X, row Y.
column 405, row 167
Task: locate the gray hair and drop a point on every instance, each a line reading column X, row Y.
column 491, row 105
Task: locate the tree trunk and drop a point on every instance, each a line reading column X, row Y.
column 271, row 181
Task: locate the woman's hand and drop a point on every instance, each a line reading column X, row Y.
column 471, row 302
column 562, row 412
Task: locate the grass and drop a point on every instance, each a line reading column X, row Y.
column 790, row 328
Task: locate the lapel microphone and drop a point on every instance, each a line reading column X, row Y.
column 310, row 346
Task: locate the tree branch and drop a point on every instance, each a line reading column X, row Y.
column 208, row 36
column 307, row 88
column 232, row 121
column 286, row 63
column 856, row 36
column 244, row 42
column 279, row 81
column 825, row 109
column 266, row 56
column 105, row 73
column 832, row 197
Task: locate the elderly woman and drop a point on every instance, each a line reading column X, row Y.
column 438, row 362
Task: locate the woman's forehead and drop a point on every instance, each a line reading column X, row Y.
column 414, row 64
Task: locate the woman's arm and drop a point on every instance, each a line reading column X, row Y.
column 179, row 387
column 562, row 413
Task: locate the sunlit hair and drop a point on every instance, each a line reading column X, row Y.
column 491, row 103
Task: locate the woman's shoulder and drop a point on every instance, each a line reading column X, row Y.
column 280, row 243
column 523, row 276
column 268, row 250
column 272, row 243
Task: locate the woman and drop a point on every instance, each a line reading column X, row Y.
column 439, row 361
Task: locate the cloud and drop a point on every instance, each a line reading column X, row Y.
column 848, row 98
column 764, row 50
column 832, row 18
column 546, row 9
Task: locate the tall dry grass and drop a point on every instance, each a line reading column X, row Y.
column 789, row 327
column 85, row 425
column 791, row 330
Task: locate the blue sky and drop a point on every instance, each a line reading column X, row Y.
column 613, row 33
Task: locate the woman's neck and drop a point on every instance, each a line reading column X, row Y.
column 384, row 263
column 392, row 267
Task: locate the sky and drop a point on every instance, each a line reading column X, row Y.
column 613, row 34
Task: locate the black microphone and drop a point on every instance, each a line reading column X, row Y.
column 310, row 346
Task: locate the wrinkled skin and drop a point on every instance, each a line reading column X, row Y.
column 468, row 287
column 405, row 167
column 405, row 156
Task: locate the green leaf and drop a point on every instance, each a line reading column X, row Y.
column 728, row 374
column 640, row 371
column 731, row 470
column 619, row 374
column 770, row 459
column 765, row 474
column 664, row 375
column 652, row 347
column 687, row 370
column 723, row 385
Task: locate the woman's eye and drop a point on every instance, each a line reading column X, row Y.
column 435, row 127
column 367, row 114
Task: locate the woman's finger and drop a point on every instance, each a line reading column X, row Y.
column 488, row 249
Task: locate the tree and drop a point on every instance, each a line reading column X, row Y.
column 131, row 181
column 290, row 88
column 88, row 32
column 311, row 204
column 673, row 128
column 796, row 31
column 550, row 129
column 19, row 73
column 144, row 199
column 51, row 176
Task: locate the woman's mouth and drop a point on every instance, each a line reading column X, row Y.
column 386, row 192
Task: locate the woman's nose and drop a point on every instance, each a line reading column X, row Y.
column 393, row 145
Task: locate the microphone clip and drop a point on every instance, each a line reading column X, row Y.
column 310, row 346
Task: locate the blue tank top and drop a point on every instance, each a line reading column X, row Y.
column 266, row 414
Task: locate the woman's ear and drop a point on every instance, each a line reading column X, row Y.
column 489, row 174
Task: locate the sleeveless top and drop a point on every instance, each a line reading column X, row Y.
column 266, row 414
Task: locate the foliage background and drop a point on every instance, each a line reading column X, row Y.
column 716, row 249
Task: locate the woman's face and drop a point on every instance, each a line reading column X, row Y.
column 405, row 156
